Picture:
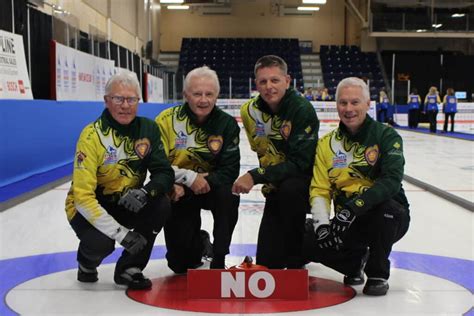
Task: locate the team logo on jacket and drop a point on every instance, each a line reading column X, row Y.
column 80, row 157
column 181, row 140
column 340, row 160
column 214, row 143
column 259, row 129
column 110, row 156
column 142, row 147
column 285, row 129
column 372, row 154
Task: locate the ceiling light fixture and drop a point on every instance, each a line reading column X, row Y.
column 308, row 8
column 457, row 15
column 171, row 1
column 177, row 7
column 314, row 1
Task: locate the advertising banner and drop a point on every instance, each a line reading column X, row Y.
column 80, row 76
column 154, row 89
column 14, row 80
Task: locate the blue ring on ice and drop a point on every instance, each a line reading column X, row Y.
column 16, row 271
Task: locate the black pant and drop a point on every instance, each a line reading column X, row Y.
column 377, row 230
column 413, row 118
column 281, row 232
column 432, row 119
column 382, row 115
column 94, row 246
column 182, row 236
column 446, row 118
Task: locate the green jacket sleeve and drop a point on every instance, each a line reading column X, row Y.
column 388, row 182
column 228, row 166
column 161, row 173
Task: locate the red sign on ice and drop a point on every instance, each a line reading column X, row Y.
column 248, row 284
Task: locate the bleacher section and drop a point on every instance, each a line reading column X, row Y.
column 339, row 62
column 236, row 57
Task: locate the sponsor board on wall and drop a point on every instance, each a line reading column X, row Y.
column 14, row 80
column 154, row 89
column 326, row 110
column 80, row 76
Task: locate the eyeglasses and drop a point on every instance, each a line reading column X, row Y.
column 118, row 100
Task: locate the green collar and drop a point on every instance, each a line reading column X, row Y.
column 193, row 118
column 110, row 121
column 361, row 133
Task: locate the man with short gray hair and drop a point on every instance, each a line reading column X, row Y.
column 108, row 201
column 358, row 167
column 202, row 144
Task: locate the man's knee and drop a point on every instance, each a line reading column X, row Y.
column 96, row 246
column 157, row 212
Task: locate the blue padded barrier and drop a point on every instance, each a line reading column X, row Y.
column 38, row 136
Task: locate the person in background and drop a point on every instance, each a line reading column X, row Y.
column 431, row 107
column 108, row 201
column 359, row 168
column 324, row 95
column 383, row 106
column 414, row 102
column 202, row 144
column 309, row 94
column 449, row 108
column 282, row 128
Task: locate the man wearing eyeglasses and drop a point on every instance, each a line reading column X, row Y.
column 108, row 201
column 202, row 144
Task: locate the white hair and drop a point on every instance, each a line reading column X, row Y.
column 203, row 71
column 353, row 82
column 128, row 79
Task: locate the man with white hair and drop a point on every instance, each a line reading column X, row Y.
column 358, row 167
column 202, row 144
column 108, row 201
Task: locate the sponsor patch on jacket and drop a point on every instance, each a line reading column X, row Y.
column 214, row 143
column 110, row 156
column 181, row 140
column 372, row 154
column 80, row 157
column 285, row 129
column 142, row 147
column 340, row 160
column 259, row 129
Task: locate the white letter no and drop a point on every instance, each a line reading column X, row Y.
column 237, row 285
column 269, row 284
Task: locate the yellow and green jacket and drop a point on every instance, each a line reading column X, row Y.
column 358, row 171
column 110, row 159
column 211, row 147
column 284, row 141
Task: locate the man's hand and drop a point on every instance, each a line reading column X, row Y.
column 341, row 223
column 134, row 200
column 243, row 184
column 177, row 192
column 324, row 236
column 133, row 242
column 200, row 184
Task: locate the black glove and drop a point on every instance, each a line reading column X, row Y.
column 133, row 242
column 324, row 236
column 341, row 223
column 134, row 200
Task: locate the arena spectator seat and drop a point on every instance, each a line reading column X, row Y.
column 235, row 58
column 339, row 62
